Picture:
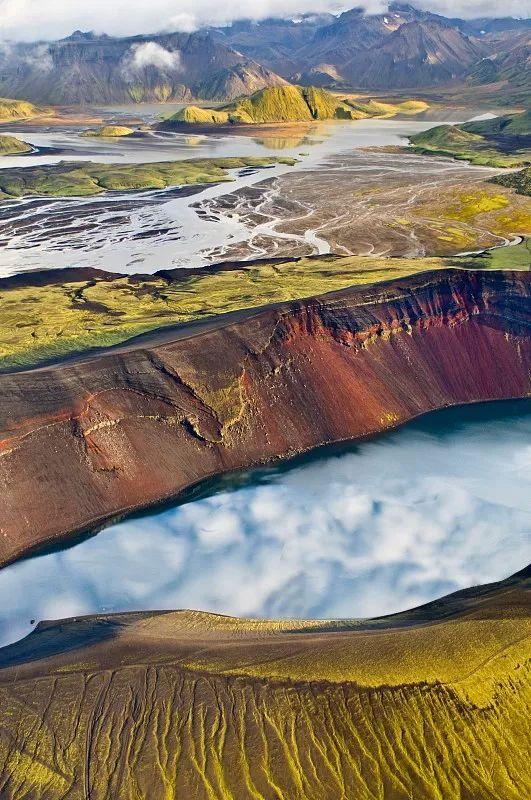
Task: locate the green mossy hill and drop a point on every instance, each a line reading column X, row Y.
column 500, row 142
column 72, row 179
column 40, row 321
column 109, row 131
column 509, row 125
column 288, row 103
column 11, row 146
column 194, row 115
column 519, row 181
column 17, row 109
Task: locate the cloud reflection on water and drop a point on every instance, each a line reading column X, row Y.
column 384, row 526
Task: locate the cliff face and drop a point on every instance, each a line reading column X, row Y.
column 83, row 442
column 190, row 705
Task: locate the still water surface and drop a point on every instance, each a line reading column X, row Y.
column 352, row 531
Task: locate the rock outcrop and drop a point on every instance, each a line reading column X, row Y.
column 190, row 705
column 85, row 442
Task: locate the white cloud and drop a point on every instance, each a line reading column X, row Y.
column 473, row 9
column 38, row 57
column 184, row 21
column 37, row 19
column 149, row 54
column 152, row 54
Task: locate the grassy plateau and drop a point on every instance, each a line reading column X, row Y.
column 47, row 318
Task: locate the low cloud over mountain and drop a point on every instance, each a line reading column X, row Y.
column 32, row 19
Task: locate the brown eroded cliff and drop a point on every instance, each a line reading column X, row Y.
column 89, row 440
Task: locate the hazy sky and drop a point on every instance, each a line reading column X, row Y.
column 33, row 19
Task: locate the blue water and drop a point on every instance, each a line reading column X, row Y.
column 363, row 530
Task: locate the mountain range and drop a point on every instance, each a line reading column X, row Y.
column 87, row 68
column 403, row 49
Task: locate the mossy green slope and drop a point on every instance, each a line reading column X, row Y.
column 282, row 104
column 59, row 313
column 194, row 115
column 10, row 145
column 72, row 179
column 430, row 704
column 508, row 125
column 11, row 110
column 519, row 181
column 109, row 131
column 500, row 142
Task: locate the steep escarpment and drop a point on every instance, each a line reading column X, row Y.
column 140, row 424
column 183, row 704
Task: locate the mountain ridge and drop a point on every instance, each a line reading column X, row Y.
column 401, row 48
column 86, row 68
column 306, row 707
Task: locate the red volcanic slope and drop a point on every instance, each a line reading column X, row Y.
column 85, row 442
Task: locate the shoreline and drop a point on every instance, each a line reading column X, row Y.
column 165, row 400
column 190, row 492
